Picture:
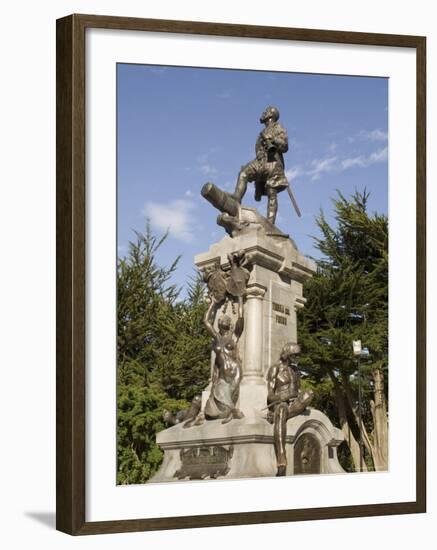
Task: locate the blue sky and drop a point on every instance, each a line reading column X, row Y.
column 180, row 127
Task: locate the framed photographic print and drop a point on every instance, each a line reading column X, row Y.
column 240, row 274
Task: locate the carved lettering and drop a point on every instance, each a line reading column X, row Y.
column 280, row 308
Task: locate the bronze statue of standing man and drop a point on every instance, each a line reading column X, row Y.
column 267, row 169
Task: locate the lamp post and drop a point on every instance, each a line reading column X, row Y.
column 358, row 350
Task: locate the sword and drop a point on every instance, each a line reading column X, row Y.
column 277, row 403
column 293, row 201
column 272, row 404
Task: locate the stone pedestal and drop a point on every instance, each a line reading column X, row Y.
column 273, row 296
column 274, row 289
column 244, row 449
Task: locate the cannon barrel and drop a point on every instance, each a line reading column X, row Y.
column 220, row 199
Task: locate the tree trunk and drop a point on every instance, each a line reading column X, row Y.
column 380, row 421
column 352, row 443
column 365, row 435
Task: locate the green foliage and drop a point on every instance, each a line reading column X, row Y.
column 347, row 299
column 139, row 417
column 144, row 298
column 184, row 362
column 163, row 356
column 323, row 396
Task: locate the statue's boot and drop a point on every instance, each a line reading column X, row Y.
column 272, row 206
column 236, row 413
column 279, row 434
column 258, row 190
column 196, row 421
column 228, row 418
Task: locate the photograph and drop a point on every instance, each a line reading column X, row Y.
column 219, row 282
column 252, row 274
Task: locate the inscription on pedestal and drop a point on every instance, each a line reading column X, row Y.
column 280, row 308
column 281, row 317
column 204, row 462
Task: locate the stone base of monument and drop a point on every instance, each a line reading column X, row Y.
column 244, row 449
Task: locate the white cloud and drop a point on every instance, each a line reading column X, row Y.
column 353, row 161
column 207, row 169
column 175, row 216
column 377, row 135
column 204, row 164
column 293, row 172
column 314, row 169
column 379, row 156
column 369, row 135
column 317, row 167
column 364, row 161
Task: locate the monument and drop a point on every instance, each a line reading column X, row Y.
column 253, row 419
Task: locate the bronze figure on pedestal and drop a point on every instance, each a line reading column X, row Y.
column 285, row 399
column 227, row 370
column 267, row 170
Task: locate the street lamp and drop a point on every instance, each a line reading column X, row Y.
column 359, row 352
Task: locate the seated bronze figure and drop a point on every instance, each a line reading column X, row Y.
column 285, row 399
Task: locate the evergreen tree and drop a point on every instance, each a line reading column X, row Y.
column 163, row 354
column 184, row 366
column 347, row 300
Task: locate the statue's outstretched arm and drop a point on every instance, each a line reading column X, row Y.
column 209, row 317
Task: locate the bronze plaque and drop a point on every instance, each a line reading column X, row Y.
column 307, row 455
column 204, row 462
